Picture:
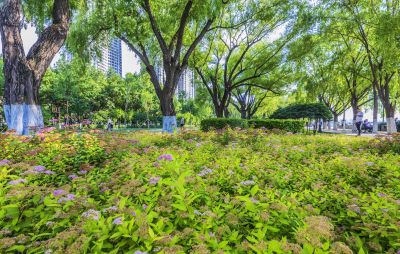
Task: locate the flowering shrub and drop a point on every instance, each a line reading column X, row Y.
column 145, row 193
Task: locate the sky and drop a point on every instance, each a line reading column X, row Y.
column 129, row 60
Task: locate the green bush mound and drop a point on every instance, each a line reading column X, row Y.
column 221, row 123
column 303, row 111
column 290, row 125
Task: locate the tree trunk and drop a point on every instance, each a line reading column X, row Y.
column 355, row 111
column 23, row 74
column 375, row 111
column 168, row 111
column 226, row 112
column 243, row 113
column 391, row 123
column 335, row 121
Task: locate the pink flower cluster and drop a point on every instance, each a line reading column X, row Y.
column 42, row 169
column 4, row 162
column 167, row 157
column 118, row 221
column 68, row 197
column 18, row 181
column 154, row 180
column 47, row 130
column 72, row 177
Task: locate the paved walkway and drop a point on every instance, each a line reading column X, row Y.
column 349, row 132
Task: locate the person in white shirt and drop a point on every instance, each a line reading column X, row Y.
column 359, row 120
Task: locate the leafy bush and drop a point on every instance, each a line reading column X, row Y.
column 387, row 143
column 221, row 123
column 196, row 192
column 294, row 126
column 303, row 111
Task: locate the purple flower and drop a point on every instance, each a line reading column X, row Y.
column 72, row 177
column 109, row 209
column 104, row 189
column 133, row 214
column 117, row 221
column 18, row 181
column 254, row 200
column 69, row 197
column 58, row 192
column 91, row 214
column 4, row 162
column 140, row 252
column 48, row 172
column 167, row 157
column 82, row 172
column 145, row 207
column 39, row 168
column 248, row 182
column 46, row 130
column 205, row 172
column 381, row 195
column 154, row 180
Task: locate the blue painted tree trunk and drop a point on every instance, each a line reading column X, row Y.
column 169, row 124
column 22, row 117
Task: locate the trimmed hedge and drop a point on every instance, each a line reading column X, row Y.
column 221, row 123
column 290, row 125
column 281, row 124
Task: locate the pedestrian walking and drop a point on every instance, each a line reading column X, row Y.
column 109, row 124
column 359, row 120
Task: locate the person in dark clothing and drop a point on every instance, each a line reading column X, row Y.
column 359, row 119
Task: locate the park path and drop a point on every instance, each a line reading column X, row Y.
column 351, row 133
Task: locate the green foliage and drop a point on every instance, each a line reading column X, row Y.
column 221, row 123
column 231, row 191
column 79, row 89
column 387, row 143
column 290, row 125
column 303, row 111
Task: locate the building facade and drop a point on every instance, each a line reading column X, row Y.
column 186, row 84
column 111, row 58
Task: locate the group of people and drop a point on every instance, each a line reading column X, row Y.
column 110, row 124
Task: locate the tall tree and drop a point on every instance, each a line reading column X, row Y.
column 375, row 25
column 246, row 55
column 247, row 100
column 163, row 34
column 24, row 72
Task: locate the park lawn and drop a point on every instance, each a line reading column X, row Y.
column 225, row 192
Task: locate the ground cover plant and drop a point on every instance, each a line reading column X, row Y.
column 215, row 192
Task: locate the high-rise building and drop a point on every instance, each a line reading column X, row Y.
column 186, row 84
column 111, row 57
